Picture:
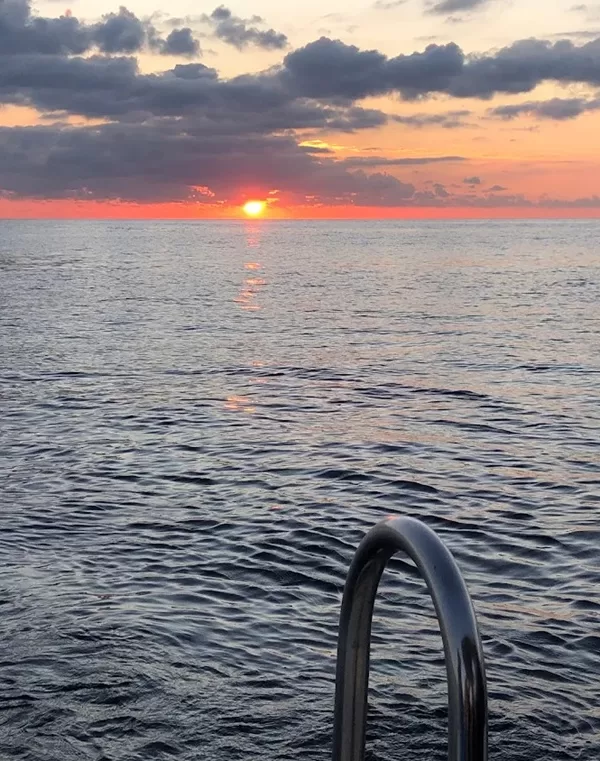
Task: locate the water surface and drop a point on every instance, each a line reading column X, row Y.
column 199, row 421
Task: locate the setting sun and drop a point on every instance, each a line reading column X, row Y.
column 254, row 208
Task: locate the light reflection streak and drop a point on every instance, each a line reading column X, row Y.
column 247, row 299
column 235, row 403
column 252, row 283
column 253, row 230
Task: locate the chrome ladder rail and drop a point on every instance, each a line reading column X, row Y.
column 467, row 689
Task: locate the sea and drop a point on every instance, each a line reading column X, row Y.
column 200, row 420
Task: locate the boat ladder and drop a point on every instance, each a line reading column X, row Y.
column 467, row 689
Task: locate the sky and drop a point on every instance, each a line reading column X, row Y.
column 324, row 108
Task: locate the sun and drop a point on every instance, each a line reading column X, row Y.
column 254, row 208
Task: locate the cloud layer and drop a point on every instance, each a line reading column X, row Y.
column 172, row 135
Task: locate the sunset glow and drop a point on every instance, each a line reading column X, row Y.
column 254, row 208
column 396, row 110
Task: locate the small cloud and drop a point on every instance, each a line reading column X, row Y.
column 447, row 120
column 591, row 11
column 448, row 7
column 472, row 180
column 336, row 18
column 180, row 42
column 387, row 5
column 589, row 202
column 240, row 33
column 556, row 109
column 376, row 161
column 121, row 32
column 582, row 34
column 496, row 189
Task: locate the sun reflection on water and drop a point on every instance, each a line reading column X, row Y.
column 247, row 297
column 237, row 403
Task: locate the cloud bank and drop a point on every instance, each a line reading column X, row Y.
column 187, row 134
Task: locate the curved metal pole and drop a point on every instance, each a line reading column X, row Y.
column 467, row 690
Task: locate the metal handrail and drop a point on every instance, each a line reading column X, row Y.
column 467, row 689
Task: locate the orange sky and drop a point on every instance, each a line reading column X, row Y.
column 553, row 163
column 98, row 210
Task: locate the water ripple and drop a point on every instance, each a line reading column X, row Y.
column 185, row 480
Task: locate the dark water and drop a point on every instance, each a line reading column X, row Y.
column 198, row 423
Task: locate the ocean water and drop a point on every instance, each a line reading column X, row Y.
column 198, row 423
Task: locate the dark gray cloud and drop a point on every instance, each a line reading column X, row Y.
column 241, row 32
column 180, row 42
column 168, row 161
column 329, row 68
column 121, row 32
column 472, row 180
column 447, row 120
column 113, row 88
column 23, row 33
column 589, row 202
column 446, row 7
column 525, row 64
column 173, row 132
column 558, row 109
column 378, row 189
column 153, row 162
column 325, row 70
column 379, row 161
column 158, row 161
column 491, row 200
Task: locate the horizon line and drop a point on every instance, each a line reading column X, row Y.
column 544, row 214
